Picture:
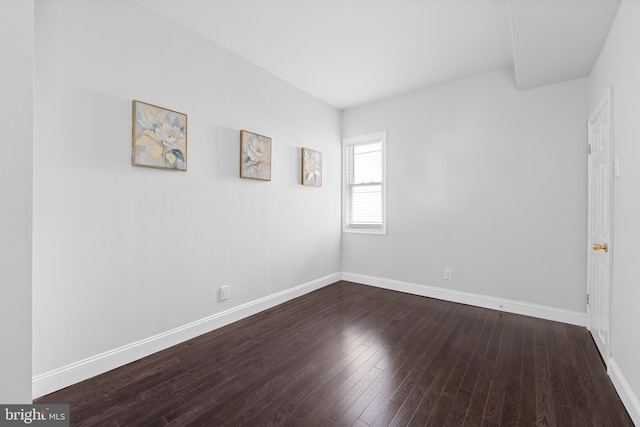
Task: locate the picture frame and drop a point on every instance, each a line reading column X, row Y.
column 255, row 156
column 311, row 167
column 159, row 137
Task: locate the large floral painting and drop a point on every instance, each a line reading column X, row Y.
column 159, row 137
column 255, row 156
column 311, row 167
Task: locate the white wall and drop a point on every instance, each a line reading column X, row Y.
column 16, row 191
column 486, row 180
column 619, row 65
column 124, row 253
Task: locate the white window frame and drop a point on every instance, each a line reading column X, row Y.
column 347, row 227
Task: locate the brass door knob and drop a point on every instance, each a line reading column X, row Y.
column 604, row 247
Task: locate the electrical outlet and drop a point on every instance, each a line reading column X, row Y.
column 448, row 274
column 224, row 293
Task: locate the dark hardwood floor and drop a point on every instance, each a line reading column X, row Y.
column 354, row 355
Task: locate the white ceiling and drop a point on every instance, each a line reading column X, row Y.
column 350, row 52
column 558, row 40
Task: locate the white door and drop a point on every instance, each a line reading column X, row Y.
column 600, row 225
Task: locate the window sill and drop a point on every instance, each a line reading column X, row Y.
column 365, row 230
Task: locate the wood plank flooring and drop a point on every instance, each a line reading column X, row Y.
column 354, row 355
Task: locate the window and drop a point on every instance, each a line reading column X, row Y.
column 364, row 192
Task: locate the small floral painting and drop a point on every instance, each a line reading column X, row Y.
column 311, row 167
column 255, row 156
column 159, row 137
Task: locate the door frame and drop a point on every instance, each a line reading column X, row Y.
column 607, row 100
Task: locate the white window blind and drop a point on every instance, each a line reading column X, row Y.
column 364, row 198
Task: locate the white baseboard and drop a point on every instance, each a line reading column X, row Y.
column 501, row 304
column 628, row 397
column 84, row 369
column 65, row 376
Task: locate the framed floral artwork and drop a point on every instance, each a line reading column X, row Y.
column 255, row 156
column 311, row 167
column 159, row 137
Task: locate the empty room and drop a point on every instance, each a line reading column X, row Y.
column 357, row 212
